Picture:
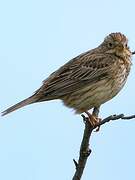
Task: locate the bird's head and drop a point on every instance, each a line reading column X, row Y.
column 117, row 44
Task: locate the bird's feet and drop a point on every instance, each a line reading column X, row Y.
column 94, row 121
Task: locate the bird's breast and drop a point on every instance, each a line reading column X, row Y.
column 95, row 94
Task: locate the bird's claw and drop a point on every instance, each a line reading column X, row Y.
column 94, row 121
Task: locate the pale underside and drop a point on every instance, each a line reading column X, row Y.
column 93, row 96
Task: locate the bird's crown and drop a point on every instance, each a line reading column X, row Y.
column 119, row 37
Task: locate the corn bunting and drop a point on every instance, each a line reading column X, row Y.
column 88, row 80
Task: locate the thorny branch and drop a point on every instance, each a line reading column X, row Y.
column 85, row 151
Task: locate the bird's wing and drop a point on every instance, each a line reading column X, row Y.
column 76, row 74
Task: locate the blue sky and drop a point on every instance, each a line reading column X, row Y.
column 40, row 141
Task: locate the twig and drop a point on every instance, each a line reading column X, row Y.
column 114, row 117
column 133, row 52
column 85, row 151
column 76, row 164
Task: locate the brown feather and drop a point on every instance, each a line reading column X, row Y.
column 19, row 105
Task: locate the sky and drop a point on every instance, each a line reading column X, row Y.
column 40, row 141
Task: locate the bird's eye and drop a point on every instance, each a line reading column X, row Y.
column 126, row 46
column 110, row 45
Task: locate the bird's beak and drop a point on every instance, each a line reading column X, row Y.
column 124, row 50
column 121, row 48
column 127, row 51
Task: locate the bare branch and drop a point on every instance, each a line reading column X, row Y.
column 128, row 117
column 85, row 151
column 114, row 117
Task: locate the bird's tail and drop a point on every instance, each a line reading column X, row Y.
column 29, row 100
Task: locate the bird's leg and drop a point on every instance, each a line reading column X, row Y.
column 93, row 119
column 95, row 113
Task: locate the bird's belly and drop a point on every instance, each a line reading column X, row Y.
column 94, row 95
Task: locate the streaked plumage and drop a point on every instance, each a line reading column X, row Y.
column 89, row 79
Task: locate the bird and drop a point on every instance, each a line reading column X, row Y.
column 88, row 80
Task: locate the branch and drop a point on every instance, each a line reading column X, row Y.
column 85, row 151
column 114, row 117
